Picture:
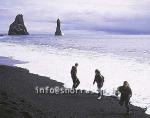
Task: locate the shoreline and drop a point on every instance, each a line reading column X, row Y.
column 9, row 61
column 18, row 96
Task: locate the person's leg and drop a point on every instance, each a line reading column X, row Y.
column 74, row 83
column 127, row 104
column 99, row 92
column 77, row 83
column 73, row 86
column 121, row 102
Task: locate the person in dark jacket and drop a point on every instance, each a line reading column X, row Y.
column 74, row 77
column 99, row 79
column 126, row 94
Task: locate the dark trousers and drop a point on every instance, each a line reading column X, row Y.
column 100, row 92
column 76, row 82
column 125, row 100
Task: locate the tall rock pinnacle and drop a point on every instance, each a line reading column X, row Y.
column 58, row 30
column 18, row 27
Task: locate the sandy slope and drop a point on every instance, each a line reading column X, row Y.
column 18, row 99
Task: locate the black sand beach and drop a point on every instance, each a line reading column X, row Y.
column 18, row 99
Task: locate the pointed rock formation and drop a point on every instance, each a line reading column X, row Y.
column 18, row 27
column 58, row 30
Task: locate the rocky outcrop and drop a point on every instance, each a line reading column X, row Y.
column 18, row 27
column 58, row 30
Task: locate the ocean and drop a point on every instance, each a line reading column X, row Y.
column 119, row 58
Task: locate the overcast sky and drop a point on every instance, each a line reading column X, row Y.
column 116, row 16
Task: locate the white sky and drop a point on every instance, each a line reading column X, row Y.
column 119, row 16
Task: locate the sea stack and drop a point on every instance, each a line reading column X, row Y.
column 18, row 27
column 58, row 30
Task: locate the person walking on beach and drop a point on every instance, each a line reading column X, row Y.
column 126, row 94
column 99, row 79
column 74, row 77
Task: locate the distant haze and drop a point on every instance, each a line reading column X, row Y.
column 114, row 17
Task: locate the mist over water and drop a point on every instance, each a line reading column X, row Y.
column 118, row 57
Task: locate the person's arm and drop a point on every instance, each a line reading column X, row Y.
column 117, row 91
column 103, row 79
column 130, row 92
column 94, row 80
column 75, row 71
